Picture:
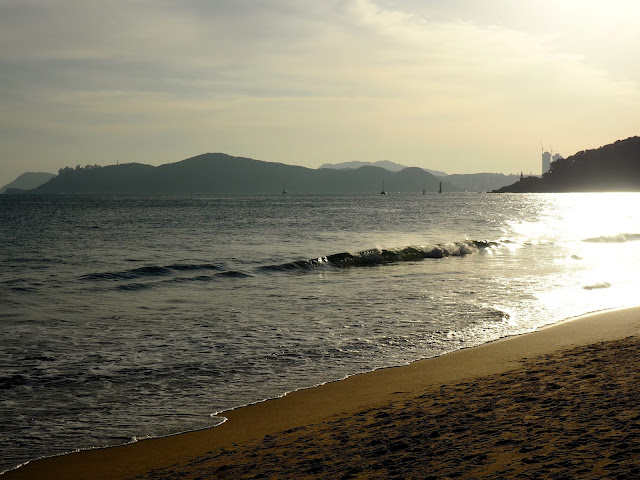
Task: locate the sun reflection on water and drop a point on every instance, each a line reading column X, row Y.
column 595, row 240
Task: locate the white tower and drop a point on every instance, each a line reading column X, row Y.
column 546, row 162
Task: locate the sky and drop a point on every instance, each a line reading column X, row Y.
column 461, row 86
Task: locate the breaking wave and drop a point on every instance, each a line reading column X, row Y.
column 597, row 286
column 620, row 238
column 379, row 256
column 152, row 275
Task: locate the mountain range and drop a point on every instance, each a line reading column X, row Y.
column 221, row 173
column 386, row 164
column 613, row 167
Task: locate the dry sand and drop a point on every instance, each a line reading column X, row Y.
column 563, row 402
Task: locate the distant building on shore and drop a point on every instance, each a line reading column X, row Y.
column 546, row 162
column 547, row 158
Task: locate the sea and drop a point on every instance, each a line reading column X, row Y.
column 129, row 317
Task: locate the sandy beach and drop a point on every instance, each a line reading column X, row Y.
column 562, row 402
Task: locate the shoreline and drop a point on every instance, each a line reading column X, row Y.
column 317, row 405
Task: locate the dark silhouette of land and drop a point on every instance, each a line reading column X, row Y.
column 611, row 168
column 221, row 173
column 28, row 180
column 471, row 182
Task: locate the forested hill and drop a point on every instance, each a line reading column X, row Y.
column 221, row 173
column 611, row 168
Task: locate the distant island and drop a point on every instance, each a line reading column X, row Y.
column 222, row 173
column 28, row 181
column 611, row 168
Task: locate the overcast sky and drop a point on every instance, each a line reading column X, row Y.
column 461, row 86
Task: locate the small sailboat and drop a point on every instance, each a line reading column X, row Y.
column 440, row 191
column 284, row 190
column 424, row 191
column 383, row 192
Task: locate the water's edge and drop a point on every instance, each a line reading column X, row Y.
column 222, row 419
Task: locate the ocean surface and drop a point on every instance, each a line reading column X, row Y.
column 126, row 317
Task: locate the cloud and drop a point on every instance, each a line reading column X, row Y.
column 269, row 48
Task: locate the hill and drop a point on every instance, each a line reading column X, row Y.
column 28, row 180
column 611, row 168
column 386, row 164
column 472, row 182
column 221, row 173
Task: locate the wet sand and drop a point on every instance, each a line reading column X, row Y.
column 563, row 402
